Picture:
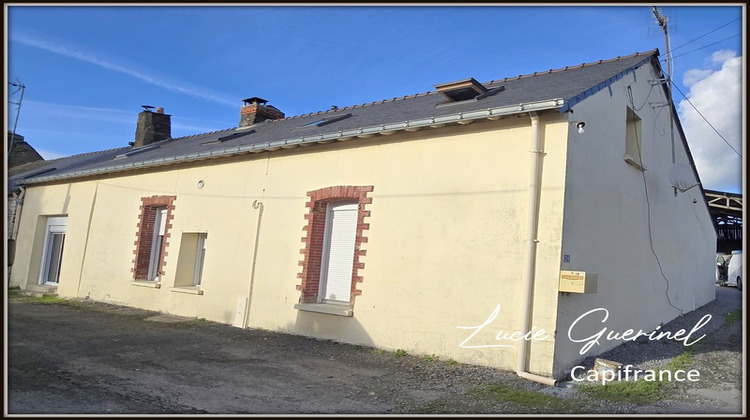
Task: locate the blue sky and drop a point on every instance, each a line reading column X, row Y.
column 87, row 70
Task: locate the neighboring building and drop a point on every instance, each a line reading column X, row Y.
column 21, row 158
column 20, row 151
column 396, row 223
column 726, row 211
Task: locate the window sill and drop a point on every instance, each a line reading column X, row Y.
column 193, row 290
column 630, row 160
column 325, row 308
column 145, row 283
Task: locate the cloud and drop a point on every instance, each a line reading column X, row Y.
column 92, row 59
column 80, row 112
column 717, row 95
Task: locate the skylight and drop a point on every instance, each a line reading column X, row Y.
column 136, row 151
column 325, row 121
column 464, row 90
column 232, row 136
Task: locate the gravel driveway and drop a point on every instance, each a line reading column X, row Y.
column 81, row 357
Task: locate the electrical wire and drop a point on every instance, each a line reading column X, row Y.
column 645, row 100
column 707, row 122
column 648, row 206
column 705, row 46
column 710, row 32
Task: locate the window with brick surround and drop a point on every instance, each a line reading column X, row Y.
column 152, row 238
column 334, row 232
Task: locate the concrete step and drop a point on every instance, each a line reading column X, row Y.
column 40, row 290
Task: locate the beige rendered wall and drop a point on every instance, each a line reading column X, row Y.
column 607, row 223
column 446, row 242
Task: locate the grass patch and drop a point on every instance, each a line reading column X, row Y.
column 732, row 317
column 378, row 351
column 51, row 299
column 400, row 353
column 533, row 400
column 431, row 358
column 16, row 287
column 451, row 362
column 640, row 391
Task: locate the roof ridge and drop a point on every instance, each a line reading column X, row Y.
column 577, row 66
column 432, row 92
column 202, row 134
column 397, row 98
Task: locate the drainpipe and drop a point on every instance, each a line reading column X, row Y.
column 528, row 282
column 86, row 241
column 256, row 205
column 17, row 217
column 14, row 230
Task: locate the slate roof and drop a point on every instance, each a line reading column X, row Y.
column 553, row 89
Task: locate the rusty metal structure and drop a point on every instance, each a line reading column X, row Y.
column 726, row 210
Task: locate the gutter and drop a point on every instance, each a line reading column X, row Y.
column 343, row 135
column 529, row 274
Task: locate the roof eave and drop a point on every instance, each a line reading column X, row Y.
column 342, row 135
column 571, row 102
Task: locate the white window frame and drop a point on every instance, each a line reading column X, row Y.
column 54, row 226
column 326, row 257
column 157, row 244
column 633, row 140
column 200, row 255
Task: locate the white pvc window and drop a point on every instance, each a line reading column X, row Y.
column 338, row 253
column 157, row 244
column 200, row 254
column 52, row 252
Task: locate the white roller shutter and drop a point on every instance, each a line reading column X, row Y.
column 338, row 254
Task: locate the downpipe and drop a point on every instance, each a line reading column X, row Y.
column 14, row 230
column 258, row 205
column 529, row 273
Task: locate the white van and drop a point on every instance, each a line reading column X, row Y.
column 734, row 275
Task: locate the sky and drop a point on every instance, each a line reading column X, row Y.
column 88, row 69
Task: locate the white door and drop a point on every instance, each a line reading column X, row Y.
column 52, row 252
column 157, row 243
column 338, row 253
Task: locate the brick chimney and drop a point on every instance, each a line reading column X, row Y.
column 255, row 110
column 152, row 126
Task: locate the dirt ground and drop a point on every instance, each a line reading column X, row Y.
column 85, row 357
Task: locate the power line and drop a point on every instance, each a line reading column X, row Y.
column 704, row 119
column 705, row 46
column 677, row 48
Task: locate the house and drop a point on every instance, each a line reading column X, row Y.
column 492, row 223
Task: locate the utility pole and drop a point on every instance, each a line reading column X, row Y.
column 20, row 87
column 662, row 20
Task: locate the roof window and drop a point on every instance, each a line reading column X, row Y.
column 232, row 136
column 136, row 151
column 464, row 90
column 324, row 121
